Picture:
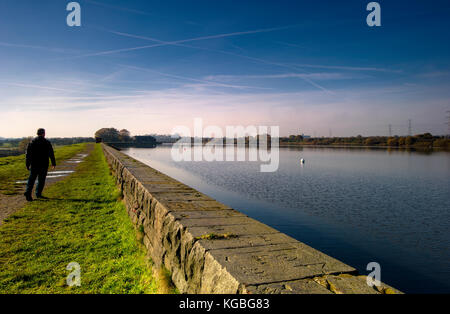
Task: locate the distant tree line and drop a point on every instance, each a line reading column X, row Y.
column 112, row 135
column 21, row 144
column 425, row 140
column 164, row 138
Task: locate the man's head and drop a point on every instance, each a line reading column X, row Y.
column 41, row 132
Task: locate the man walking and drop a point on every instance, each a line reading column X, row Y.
column 38, row 153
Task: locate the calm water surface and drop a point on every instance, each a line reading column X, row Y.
column 357, row 205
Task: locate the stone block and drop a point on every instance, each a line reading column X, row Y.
column 304, row 286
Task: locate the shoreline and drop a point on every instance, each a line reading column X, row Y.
column 364, row 146
column 209, row 247
column 284, row 145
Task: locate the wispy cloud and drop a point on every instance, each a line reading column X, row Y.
column 258, row 60
column 185, row 78
column 50, row 88
column 160, row 110
column 347, row 68
column 138, row 12
column 110, row 76
column 224, row 35
column 315, row 76
column 49, row 49
column 434, row 74
column 119, row 8
column 289, row 44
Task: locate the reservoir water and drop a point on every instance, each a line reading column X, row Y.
column 357, row 205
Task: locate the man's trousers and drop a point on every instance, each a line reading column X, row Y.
column 40, row 174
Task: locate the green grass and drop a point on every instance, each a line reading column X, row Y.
column 13, row 168
column 82, row 222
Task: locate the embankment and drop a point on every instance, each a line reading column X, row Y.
column 211, row 248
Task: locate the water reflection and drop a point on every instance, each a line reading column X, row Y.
column 358, row 205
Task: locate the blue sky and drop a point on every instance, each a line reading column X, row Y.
column 148, row 66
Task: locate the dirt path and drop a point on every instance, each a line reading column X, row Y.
column 11, row 203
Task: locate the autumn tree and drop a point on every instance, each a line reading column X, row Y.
column 409, row 141
column 108, row 135
column 392, row 141
column 124, row 135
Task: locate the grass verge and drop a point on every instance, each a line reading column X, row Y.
column 82, row 222
column 13, row 168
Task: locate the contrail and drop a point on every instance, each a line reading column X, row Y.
column 58, row 50
column 118, row 8
column 211, row 83
column 265, row 30
column 350, row 68
column 37, row 86
column 286, row 66
column 319, row 75
column 178, row 43
column 139, row 12
column 279, row 65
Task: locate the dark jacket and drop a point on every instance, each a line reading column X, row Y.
column 38, row 153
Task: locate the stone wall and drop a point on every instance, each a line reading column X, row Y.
column 209, row 247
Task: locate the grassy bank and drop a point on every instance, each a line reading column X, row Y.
column 13, row 168
column 82, row 222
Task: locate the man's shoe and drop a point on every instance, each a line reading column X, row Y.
column 28, row 197
column 41, row 197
